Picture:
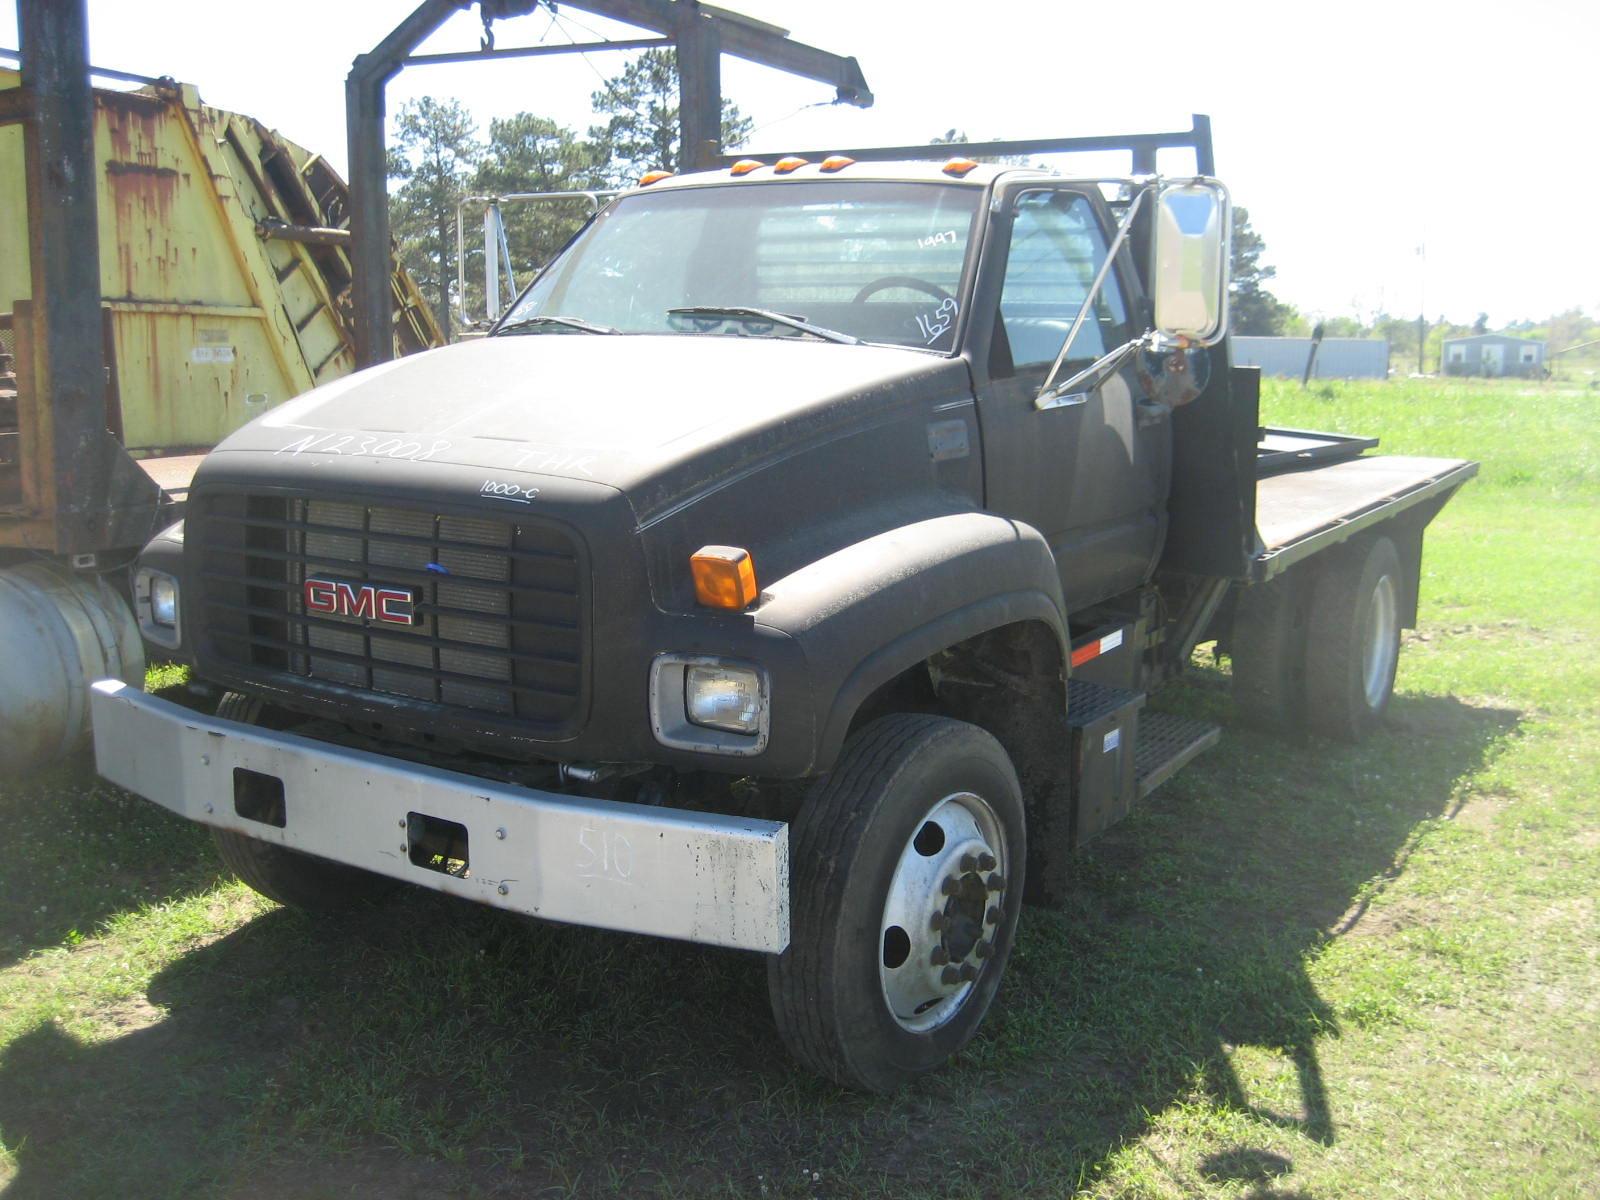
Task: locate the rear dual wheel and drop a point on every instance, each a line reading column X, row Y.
column 1319, row 650
column 1354, row 646
column 906, row 892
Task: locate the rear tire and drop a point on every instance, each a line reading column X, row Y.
column 908, row 862
column 1354, row 646
column 299, row 881
column 1268, row 649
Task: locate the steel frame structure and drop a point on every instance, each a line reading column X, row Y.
column 701, row 34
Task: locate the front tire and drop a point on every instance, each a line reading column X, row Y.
column 907, row 886
column 295, row 880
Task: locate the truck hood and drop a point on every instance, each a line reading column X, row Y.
column 653, row 416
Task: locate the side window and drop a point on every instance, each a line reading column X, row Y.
column 1057, row 247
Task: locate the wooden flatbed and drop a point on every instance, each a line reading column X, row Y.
column 1299, row 513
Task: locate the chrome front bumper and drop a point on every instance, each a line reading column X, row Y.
column 719, row 880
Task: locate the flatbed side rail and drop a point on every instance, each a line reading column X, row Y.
column 1273, row 560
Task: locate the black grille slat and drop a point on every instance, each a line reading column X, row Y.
column 439, row 610
column 498, row 602
column 397, row 639
column 404, row 668
column 390, row 574
column 400, row 538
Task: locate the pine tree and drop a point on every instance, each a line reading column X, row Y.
column 528, row 153
column 435, row 149
column 1251, row 308
column 641, row 132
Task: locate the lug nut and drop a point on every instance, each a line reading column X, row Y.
column 937, row 922
column 969, row 862
column 950, row 886
column 968, row 973
column 997, row 882
column 984, row 949
column 987, row 862
column 950, row 975
column 940, row 956
column 993, row 916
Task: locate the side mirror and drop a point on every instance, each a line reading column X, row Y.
column 1189, row 278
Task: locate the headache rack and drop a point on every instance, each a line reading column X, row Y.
column 1142, row 146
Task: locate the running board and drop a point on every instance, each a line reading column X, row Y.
column 1167, row 744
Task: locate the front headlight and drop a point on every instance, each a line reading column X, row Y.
column 156, row 605
column 723, row 697
column 710, row 705
column 164, row 600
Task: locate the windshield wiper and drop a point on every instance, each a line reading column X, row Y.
column 766, row 314
column 564, row 322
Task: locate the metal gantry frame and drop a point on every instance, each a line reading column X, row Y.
column 700, row 33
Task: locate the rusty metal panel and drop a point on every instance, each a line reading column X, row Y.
column 14, row 262
column 211, row 320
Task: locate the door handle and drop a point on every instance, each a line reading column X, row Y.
column 1070, row 400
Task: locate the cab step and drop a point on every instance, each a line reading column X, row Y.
column 1166, row 744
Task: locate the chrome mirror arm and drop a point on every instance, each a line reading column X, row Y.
column 1088, row 301
column 1075, row 390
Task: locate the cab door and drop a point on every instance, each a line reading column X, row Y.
column 1091, row 471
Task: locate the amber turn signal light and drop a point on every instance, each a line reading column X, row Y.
column 724, row 577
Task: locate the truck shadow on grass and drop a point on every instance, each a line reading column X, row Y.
column 430, row 1048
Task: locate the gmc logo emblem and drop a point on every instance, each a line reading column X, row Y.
column 335, row 598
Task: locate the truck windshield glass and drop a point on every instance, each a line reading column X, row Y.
column 880, row 261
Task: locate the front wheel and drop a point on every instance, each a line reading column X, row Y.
column 907, row 884
column 300, row 881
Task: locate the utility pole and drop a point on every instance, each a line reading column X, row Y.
column 1422, row 306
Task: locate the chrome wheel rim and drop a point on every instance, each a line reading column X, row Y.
column 1382, row 642
column 943, row 916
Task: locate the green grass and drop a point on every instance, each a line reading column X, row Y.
column 1297, row 970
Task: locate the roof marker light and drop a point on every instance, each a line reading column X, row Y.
column 836, row 162
column 784, row 165
column 745, row 165
column 650, row 177
column 959, row 166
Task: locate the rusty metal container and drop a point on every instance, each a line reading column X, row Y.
column 212, row 314
column 225, row 289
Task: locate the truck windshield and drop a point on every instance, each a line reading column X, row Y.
column 879, row 261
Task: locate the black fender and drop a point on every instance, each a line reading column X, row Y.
column 870, row 611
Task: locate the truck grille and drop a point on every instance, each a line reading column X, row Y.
column 497, row 604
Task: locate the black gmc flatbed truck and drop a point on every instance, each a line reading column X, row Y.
column 787, row 570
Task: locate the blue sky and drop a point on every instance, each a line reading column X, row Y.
column 1353, row 133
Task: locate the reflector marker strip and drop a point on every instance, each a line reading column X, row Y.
column 1094, row 649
